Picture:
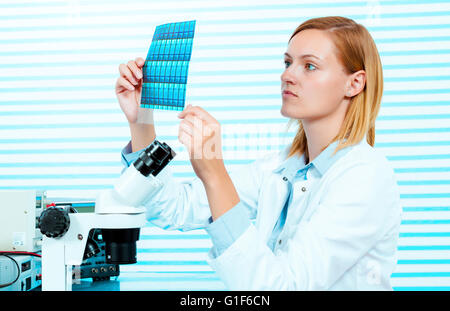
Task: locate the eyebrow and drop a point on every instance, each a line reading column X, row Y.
column 304, row 56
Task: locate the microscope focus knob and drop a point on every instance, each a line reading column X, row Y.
column 54, row 222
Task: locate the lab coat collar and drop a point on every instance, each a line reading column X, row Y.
column 322, row 162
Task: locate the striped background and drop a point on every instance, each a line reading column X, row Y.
column 62, row 130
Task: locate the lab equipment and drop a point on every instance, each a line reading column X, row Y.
column 118, row 213
column 19, row 272
column 19, row 211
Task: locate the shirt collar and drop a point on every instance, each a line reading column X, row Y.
column 322, row 162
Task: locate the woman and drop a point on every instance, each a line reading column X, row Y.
column 326, row 209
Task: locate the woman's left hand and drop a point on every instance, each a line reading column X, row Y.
column 201, row 134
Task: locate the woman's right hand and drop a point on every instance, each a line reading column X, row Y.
column 129, row 88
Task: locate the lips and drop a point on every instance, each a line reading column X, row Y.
column 286, row 92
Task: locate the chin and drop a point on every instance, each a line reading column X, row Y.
column 288, row 111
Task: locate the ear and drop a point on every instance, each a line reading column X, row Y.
column 355, row 83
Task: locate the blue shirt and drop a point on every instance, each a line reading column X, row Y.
column 229, row 227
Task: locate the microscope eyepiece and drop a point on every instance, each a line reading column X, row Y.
column 135, row 185
column 154, row 158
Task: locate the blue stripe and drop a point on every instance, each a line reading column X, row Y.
column 236, row 108
column 180, row 149
column 71, row 139
column 276, row 96
column 424, row 195
column 123, row 124
column 412, row 144
column 416, row 91
column 426, row 208
column 151, row 278
column 126, row 139
column 172, row 262
column 177, row 272
column 414, row 104
column 118, row 112
column 61, row 164
column 78, row 176
column 225, row 136
column 60, row 101
column 57, row 187
column 248, row 8
column 206, row 47
column 363, row 5
column 423, row 261
column 172, row 250
column 59, row 176
column 204, row 85
column 424, row 234
column 115, row 63
column 149, row 35
column 199, row 85
column 421, row 288
column 225, row 148
column 60, row 151
column 215, row 22
column 175, row 237
column 106, row 163
column 412, row 130
column 309, row 5
column 275, row 82
column 419, row 274
column 422, row 170
column 426, row 222
column 424, row 248
column 418, row 157
column 113, row 101
column 118, row 150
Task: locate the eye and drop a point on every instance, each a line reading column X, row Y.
column 310, row 67
column 286, row 63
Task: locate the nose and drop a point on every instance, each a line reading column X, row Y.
column 287, row 77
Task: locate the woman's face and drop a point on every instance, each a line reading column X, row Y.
column 314, row 75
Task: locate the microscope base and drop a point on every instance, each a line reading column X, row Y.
column 60, row 254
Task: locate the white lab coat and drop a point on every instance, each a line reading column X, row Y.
column 343, row 235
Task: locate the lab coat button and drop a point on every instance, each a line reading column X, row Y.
column 279, row 242
column 303, row 189
column 285, row 178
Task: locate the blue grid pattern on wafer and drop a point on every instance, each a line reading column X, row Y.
column 166, row 67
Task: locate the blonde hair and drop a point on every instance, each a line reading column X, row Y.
column 357, row 51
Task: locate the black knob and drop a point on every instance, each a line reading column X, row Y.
column 54, row 222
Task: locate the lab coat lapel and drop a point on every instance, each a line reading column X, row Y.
column 272, row 206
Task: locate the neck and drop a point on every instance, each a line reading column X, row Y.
column 320, row 132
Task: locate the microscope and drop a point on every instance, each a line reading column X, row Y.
column 119, row 215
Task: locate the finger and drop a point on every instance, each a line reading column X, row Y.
column 196, row 124
column 183, row 113
column 185, row 139
column 126, row 72
column 199, row 112
column 137, row 72
column 192, row 120
column 125, row 84
column 187, row 127
column 140, row 62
